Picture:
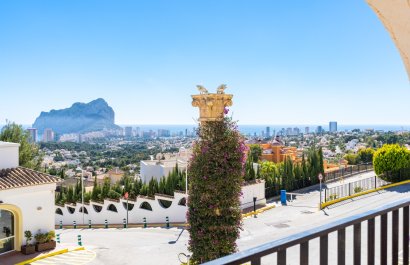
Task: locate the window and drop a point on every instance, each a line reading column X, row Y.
column 85, row 210
column 59, row 211
column 97, row 208
column 130, row 206
column 182, row 202
column 71, row 209
column 164, row 203
column 6, row 231
column 146, row 206
column 112, row 208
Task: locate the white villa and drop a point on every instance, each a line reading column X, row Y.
column 159, row 168
column 26, row 200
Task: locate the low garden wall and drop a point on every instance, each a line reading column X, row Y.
column 155, row 210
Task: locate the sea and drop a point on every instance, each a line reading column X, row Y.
column 258, row 129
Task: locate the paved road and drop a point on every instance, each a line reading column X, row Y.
column 161, row 246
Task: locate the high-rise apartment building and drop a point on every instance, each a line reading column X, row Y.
column 128, row 131
column 319, row 129
column 333, row 126
column 289, row 131
column 307, row 129
column 48, row 135
column 163, row 133
column 33, row 134
column 268, row 131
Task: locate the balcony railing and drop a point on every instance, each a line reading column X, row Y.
column 349, row 171
column 351, row 188
column 388, row 241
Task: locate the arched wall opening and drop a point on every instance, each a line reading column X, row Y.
column 16, row 231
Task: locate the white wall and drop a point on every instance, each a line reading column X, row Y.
column 254, row 190
column 148, row 171
column 36, row 204
column 9, row 155
column 175, row 212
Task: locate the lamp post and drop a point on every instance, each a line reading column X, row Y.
column 186, row 191
column 82, row 189
column 186, row 187
column 186, row 184
column 320, row 187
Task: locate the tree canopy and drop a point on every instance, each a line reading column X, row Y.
column 29, row 154
column 255, row 152
column 365, row 155
column 391, row 158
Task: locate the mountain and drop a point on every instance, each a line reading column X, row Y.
column 96, row 115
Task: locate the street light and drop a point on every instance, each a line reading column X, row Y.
column 320, row 187
column 186, row 190
column 82, row 189
column 186, row 187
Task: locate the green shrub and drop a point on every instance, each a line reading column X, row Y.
column 113, row 195
column 45, row 237
column 41, row 238
column 215, row 176
column 29, row 236
column 332, row 197
column 50, row 236
column 358, row 189
column 389, row 160
column 365, row 155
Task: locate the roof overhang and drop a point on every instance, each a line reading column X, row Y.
column 395, row 15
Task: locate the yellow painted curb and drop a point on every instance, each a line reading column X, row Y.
column 77, row 249
column 51, row 254
column 65, row 250
column 326, row 204
column 261, row 210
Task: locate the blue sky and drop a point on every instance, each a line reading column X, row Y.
column 286, row 62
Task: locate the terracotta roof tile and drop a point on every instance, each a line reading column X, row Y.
column 19, row 177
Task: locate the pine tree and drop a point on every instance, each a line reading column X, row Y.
column 152, row 187
column 106, row 188
column 144, row 190
column 162, row 186
column 70, row 195
column 321, row 165
column 305, row 172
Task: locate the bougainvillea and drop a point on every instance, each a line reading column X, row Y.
column 215, row 176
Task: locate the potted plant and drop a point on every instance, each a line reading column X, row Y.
column 45, row 241
column 50, row 239
column 28, row 248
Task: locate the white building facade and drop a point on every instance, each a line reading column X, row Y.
column 159, row 168
column 26, row 200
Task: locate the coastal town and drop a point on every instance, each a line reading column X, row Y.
column 214, row 133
